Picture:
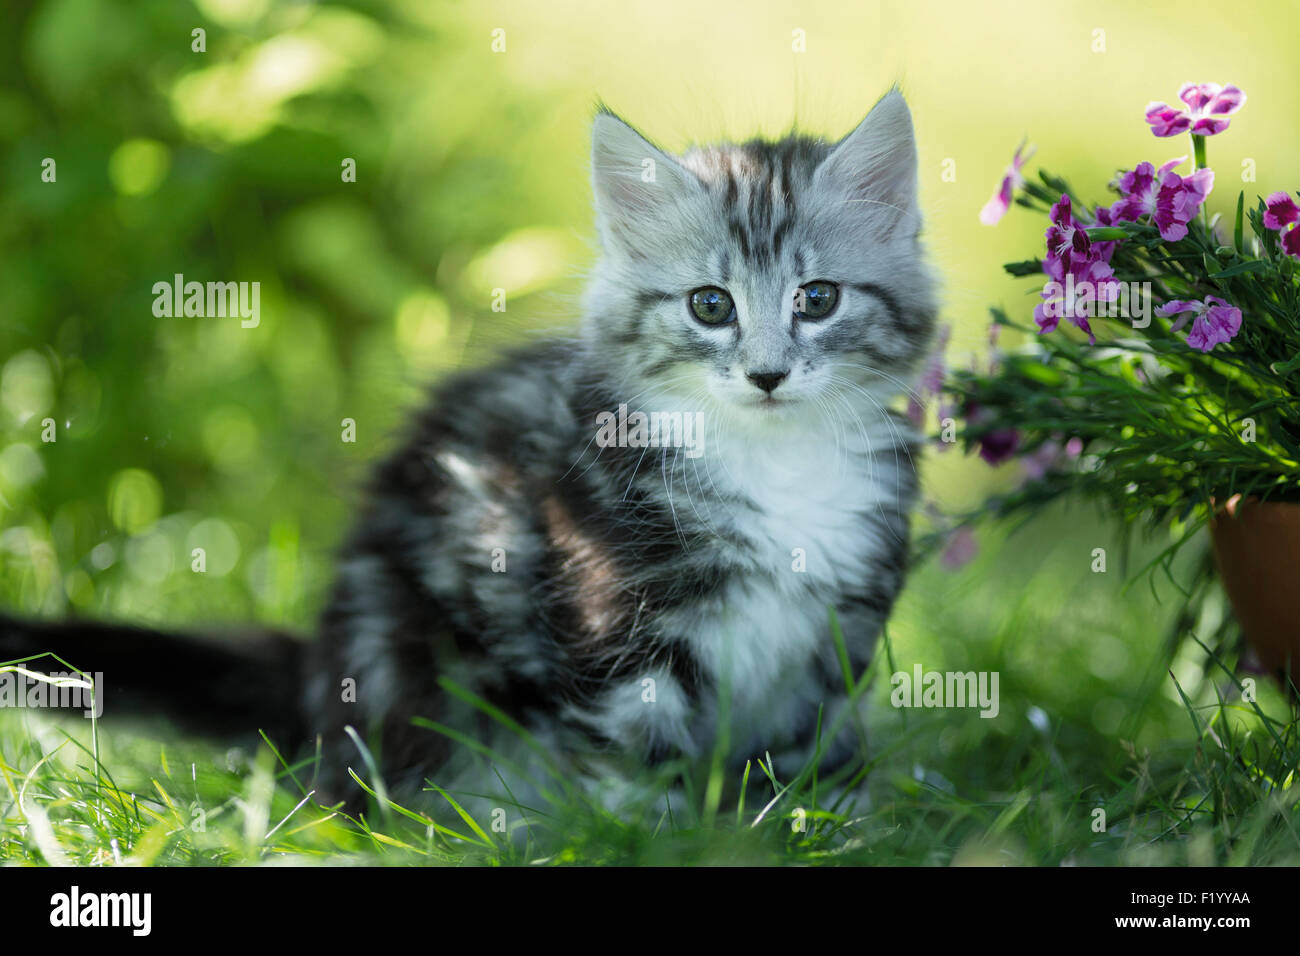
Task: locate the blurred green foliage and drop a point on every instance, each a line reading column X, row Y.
column 227, row 164
column 471, row 174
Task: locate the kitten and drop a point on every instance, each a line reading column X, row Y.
column 767, row 301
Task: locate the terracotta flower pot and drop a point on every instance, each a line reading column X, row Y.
column 1257, row 551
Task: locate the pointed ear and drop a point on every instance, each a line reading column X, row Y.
column 637, row 186
column 874, row 167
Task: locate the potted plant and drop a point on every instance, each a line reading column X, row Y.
column 1164, row 365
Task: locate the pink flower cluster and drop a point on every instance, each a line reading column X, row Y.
column 1172, row 201
column 1159, row 196
column 1073, row 262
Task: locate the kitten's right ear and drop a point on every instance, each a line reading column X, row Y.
column 637, row 186
column 874, row 167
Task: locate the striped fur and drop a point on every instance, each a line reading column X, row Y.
column 630, row 565
column 610, row 599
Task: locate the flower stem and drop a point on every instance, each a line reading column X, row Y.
column 1198, row 162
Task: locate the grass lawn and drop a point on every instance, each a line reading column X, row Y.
column 1113, row 745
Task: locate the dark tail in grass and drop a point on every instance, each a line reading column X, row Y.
column 227, row 686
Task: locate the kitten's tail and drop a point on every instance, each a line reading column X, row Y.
column 224, row 686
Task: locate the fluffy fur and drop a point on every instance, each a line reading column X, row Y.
column 712, row 576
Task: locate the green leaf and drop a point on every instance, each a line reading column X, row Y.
column 1236, row 229
column 1039, row 372
column 1287, row 367
column 1250, row 265
column 1105, row 233
column 1027, row 268
column 1054, row 183
column 463, row 814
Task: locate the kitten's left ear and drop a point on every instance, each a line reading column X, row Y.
column 875, row 166
column 637, row 186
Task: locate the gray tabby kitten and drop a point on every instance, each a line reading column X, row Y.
column 608, row 597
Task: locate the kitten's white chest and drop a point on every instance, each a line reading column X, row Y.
column 806, row 541
column 796, row 532
column 805, row 526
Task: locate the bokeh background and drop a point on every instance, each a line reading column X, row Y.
column 471, row 174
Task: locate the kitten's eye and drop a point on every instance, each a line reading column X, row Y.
column 816, row 300
column 712, row 306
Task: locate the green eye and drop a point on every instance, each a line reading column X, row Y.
column 816, row 300
column 712, row 306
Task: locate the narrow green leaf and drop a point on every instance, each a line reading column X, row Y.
column 1237, row 227
column 1250, row 265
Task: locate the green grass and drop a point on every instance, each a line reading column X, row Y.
column 1098, row 710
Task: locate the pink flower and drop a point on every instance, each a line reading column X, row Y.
column 930, row 384
column 1077, row 298
column 1282, row 214
column 961, row 547
column 1172, row 201
column 1012, row 180
column 1214, row 321
column 1049, row 456
column 1206, row 104
column 1068, row 247
column 998, row 445
column 1079, row 269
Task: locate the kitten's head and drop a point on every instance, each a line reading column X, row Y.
column 763, row 275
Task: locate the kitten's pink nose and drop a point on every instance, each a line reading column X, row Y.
column 767, row 381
